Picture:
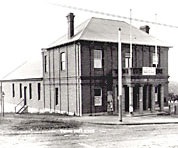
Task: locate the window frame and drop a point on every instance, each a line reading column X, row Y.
column 13, row 90
column 127, row 60
column 39, row 91
column 98, row 98
column 62, row 61
column 56, row 96
column 30, row 90
column 158, row 59
column 20, row 87
column 98, row 58
column 45, row 64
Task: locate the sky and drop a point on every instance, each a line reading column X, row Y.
column 27, row 26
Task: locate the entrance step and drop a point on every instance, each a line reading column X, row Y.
column 23, row 109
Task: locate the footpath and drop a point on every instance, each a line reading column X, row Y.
column 135, row 119
column 129, row 120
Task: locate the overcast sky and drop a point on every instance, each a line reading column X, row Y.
column 29, row 25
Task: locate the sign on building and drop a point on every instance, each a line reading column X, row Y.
column 98, row 101
column 148, row 70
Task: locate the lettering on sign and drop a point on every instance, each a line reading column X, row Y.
column 149, row 71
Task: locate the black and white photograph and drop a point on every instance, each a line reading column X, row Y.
column 88, row 74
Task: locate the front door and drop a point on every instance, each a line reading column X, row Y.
column 25, row 95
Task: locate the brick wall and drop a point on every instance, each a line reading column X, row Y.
column 80, row 62
column 91, row 78
column 65, row 80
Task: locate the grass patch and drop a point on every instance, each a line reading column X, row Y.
column 37, row 125
column 4, row 121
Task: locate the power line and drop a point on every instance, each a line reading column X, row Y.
column 113, row 15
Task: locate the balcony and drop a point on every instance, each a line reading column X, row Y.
column 139, row 72
column 141, row 75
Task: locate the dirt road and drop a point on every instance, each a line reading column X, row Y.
column 47, row 131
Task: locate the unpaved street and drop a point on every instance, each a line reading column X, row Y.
column 33, row 132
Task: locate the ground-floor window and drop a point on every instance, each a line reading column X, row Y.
column 13, row 90
column 39, row 91
column 20, row 90
column 56, row 96
column 98, row 96
column 30, row 90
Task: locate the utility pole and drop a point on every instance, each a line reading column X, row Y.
column 120, row 75
column 2, row 100
column 2, row 95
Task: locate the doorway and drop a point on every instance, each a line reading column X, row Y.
column 25, row 95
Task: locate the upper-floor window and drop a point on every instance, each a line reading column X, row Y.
column 155, row 61
column 63, row 61
column 45, row 63
column 127, row 58
column 97, row 58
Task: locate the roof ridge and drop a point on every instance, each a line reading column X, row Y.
column 21, row 71
column 109, row 19
column 57, row 40
column 84, row 30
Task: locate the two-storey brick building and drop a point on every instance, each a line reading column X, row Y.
column 80, row 69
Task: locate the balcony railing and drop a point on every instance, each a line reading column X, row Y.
column 137, row 71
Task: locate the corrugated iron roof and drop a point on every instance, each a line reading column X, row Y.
column 28, row 70
column 106, row 30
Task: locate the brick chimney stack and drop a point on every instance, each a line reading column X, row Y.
column 145, row 28
column 70, row 18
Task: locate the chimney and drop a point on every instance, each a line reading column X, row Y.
column 70, row 18
column 145, row 28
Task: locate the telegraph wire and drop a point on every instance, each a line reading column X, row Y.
column 114, row 15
